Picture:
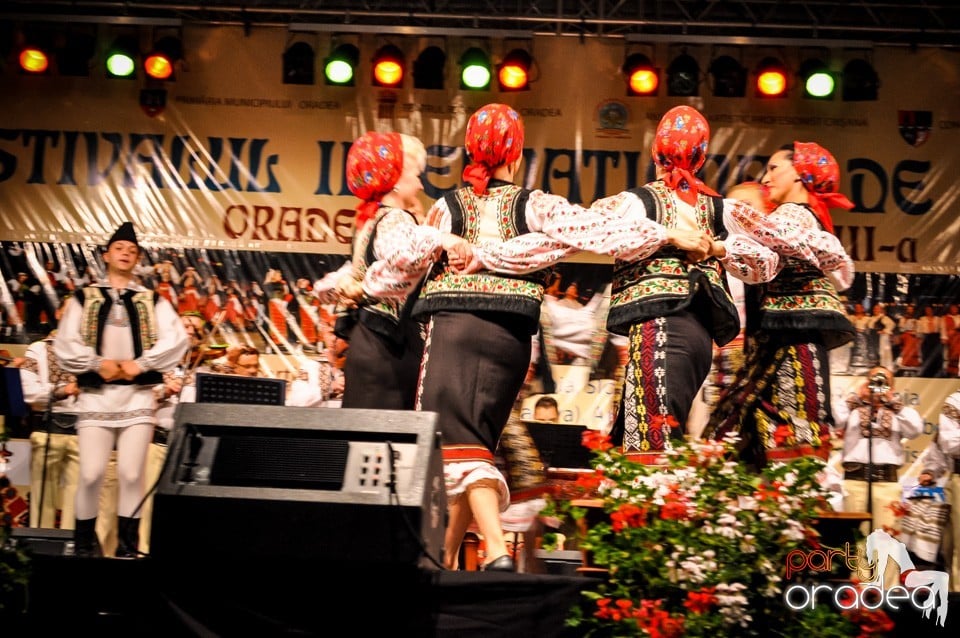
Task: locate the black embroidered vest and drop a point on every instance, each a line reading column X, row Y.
column 801, row 300
column 663, row 284
column 485, row 291
column 382, row 316
column 140, row 306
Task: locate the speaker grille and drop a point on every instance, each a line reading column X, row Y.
column 280, row 462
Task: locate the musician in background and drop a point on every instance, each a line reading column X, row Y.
column 948, row 440
column 179, row 385
column 873, row 421
column 55, row 456
column 547, row 410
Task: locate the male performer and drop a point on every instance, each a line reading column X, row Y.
column 118, row 338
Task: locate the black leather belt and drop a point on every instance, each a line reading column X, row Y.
column 956, row 466
column 60, row 422
column 160, row 435
column 881, row 473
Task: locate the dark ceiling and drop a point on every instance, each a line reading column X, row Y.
column 891, row 22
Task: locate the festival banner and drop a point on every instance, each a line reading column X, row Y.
column 227, row 157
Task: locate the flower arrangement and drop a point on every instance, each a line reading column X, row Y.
column 697, row 546
column 14, row 562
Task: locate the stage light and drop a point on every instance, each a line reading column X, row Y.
column 388, row 63
column 428, row 68
column 642, row 78
column 74, row 54
column 513, row 74
column 771, row 78
column 818, row 81
column 34, row 60
column 860, row 81
column 729, row 77
column 167, row 51
column 340, row 67
column 683, row 76
column 121, row 58
column 298, row 61
column 475, row 70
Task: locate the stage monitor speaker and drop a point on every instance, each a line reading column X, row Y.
column 252, row 482
column 42, row 540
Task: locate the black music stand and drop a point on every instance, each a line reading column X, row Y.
column 560, row 445
column 230, row 388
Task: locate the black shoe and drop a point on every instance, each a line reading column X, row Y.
column 503, row 564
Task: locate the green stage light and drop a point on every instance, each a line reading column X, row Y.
column 818, row 82
column 121, row 58
column 339, row 69
column 475, row 70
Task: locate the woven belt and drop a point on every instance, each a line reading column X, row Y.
column 882, row 473
column 160, row 435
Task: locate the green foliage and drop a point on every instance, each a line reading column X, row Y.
column 14, row 573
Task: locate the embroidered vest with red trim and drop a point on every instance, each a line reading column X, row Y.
column 800, row 298
column 485, row 291
column 664, row 283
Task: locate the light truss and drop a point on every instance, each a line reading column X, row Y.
column 880, row 22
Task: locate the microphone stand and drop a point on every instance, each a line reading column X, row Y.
column 876, row 394
column 873, row 415
column 47, row 420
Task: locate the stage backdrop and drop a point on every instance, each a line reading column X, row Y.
column 228, row 157
column 231, row 171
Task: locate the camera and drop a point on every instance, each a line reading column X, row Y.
column 878, row 384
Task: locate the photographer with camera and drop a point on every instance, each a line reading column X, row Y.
column 873, row 422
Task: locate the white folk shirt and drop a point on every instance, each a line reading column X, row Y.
column 949, row 426
column 887, row 450
column 113, row 405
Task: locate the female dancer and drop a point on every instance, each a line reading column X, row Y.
column 780, row 400
column 383, row 361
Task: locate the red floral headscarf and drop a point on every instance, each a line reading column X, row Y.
column 494, row 137
column 820, row 175
column 680, row 147
column 374, row 165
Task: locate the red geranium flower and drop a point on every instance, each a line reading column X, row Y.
column 700, row 602
column 628, row 515
column 596, row 440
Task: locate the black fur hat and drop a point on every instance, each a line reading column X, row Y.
column 124, row 233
